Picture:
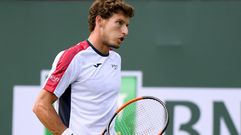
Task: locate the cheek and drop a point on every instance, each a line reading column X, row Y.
column 111, row 32
column 113, row 27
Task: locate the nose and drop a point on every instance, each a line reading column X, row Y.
column 125, row 30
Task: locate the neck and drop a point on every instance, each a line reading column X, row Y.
column 96, row 41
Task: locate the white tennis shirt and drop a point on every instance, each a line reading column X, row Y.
column 87, row 84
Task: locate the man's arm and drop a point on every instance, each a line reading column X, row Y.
column 44, row 110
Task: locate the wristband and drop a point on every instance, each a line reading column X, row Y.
column 68, row 131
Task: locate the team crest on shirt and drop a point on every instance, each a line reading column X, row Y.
column 114, row 66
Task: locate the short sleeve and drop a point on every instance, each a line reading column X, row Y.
column 62, row 73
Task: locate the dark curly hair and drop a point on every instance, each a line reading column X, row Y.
column 106, row 8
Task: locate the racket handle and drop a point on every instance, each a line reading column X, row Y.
column 104, row 132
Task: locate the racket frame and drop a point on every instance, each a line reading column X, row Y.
column 135, row 100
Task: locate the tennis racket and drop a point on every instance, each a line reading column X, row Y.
column 145, row 115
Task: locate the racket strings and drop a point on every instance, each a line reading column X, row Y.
column 124, row 122
column 144, row 117
column 150, row 117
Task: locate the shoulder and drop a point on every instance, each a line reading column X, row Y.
column 115, row 54
column 72, row 51
column 65, row 57
column 75, row 49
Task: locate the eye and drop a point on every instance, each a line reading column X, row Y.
column 119, row 22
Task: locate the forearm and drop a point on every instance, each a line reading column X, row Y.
column 46, row 113
column 50, row 119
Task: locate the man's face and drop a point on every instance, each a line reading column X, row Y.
column 114, row 30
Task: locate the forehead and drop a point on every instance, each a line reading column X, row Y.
column 120, row 16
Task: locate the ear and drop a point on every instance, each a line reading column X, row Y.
column 99, row 21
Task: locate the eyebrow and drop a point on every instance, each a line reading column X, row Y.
column 122, row 20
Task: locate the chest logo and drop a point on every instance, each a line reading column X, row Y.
column 97, row 65
column 114, row 66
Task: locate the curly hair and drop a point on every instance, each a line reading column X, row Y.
column 106, row 8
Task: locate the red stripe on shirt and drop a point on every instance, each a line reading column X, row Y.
column 62, row 65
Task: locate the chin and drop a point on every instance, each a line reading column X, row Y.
column 114, row 46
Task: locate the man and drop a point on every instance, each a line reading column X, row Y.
column 86, row 77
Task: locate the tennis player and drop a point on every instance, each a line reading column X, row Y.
column 85, row 79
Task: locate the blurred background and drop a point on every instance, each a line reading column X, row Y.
column 173, row 43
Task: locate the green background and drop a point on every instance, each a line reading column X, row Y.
column 182, row 43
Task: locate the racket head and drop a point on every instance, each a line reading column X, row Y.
column 145, row 115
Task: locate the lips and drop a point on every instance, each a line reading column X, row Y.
column 122, row 39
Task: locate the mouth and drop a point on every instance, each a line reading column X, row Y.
column 122, row 39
